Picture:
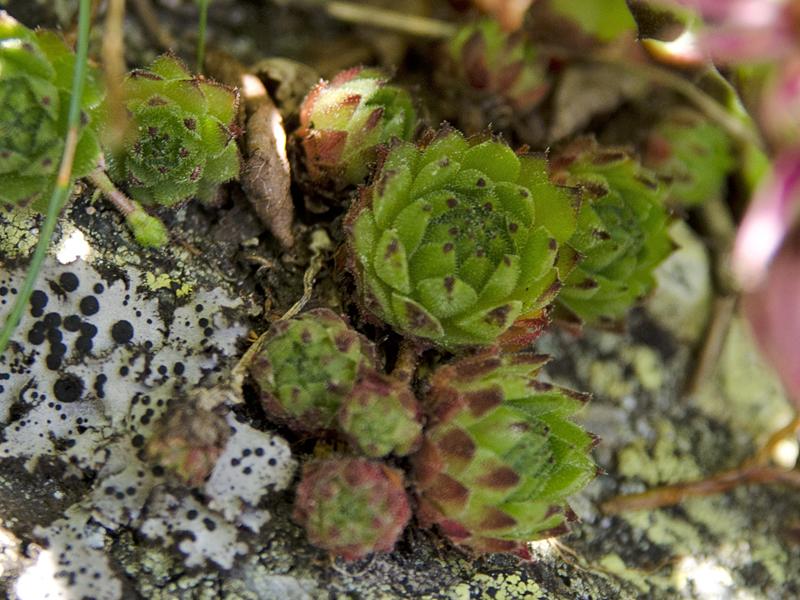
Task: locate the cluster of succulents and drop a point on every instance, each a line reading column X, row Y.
column 344, row 121
column 35, row 80
column 492, row 469
column 621, row 233
column 692, row 155
column 459, row 244
column 180, row 142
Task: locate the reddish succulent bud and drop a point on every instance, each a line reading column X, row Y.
column 351, row 507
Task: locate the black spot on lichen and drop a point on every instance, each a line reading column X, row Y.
column 68, row 388
column 68, row 281
column 122, row 332
column 38, row 302
column 89, row 306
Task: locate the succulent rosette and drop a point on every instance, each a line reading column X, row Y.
column 500, row 455
column 35, row 83
column 621, row 233
column 307, row 366
column 498, row 63
column 447, row 244
column 180, row 143
column 188, row 441
column 342, row 122
column 692, row 155
column 381, row 416
column 351, row 507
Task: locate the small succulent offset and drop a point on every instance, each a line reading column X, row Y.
column 188, row 441
column 342, row 122
column 446, row 245
column 351, row 507
column 621, row 234
column 500, row 454
column 499, row 64
column 180, row 143
column 307, row 366
column 381, row 416
column 692, row 155
column 35, row 82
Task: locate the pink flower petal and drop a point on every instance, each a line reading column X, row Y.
column 771, row 215
column 774, row 314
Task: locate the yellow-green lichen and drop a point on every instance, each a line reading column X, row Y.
column 744, row 392
column 163, row 281
column 607, row 379
column 495, row 587
column 647, row 366
column 666, row 464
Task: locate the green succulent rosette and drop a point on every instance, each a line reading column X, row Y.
column 342, row 122
column 36, row 69
column 494, row 62
column 621, row 234
column 381, row 416
column 180, row 142
column 307, row 366
column 500, row 454
column 691, row 155
column 351, row 507
column 448, row 245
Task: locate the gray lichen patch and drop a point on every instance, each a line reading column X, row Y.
column 101, row 352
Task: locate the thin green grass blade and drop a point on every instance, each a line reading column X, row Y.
column 63, row 182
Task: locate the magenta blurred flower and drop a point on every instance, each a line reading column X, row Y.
column 773, row 310
column 771, row 215
column 740, row 31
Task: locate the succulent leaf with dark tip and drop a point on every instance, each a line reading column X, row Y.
column 447, row 245
column 307, row 366
column 621, row 233
column 342, row 122
column 351, row 507
column 496, row 63
column 35, row 82
column 179, row 144
column 500, row 454
column 692, row 155
column 381, row 416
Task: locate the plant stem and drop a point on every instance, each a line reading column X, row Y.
column 374, row 16
column 114, row 67
column 149, row 18
column 201, row 42
column 63, row 180
column 122, row 203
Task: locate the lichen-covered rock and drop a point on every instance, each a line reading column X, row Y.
column 307, row 366
column 621, row 234
column 448, row 245
column 180, row 143
column 351, row 507
column 35, row 83
column 692, row 155
column 381, row 416
column 343, row 121
column 500, row 454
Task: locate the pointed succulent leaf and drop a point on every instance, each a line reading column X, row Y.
column 35, row 84
column 342, row 123
column 307, row 366
column 180, row 141
column 621, row 231
column 499, row 454
column 351, row 507
column 455, row 242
